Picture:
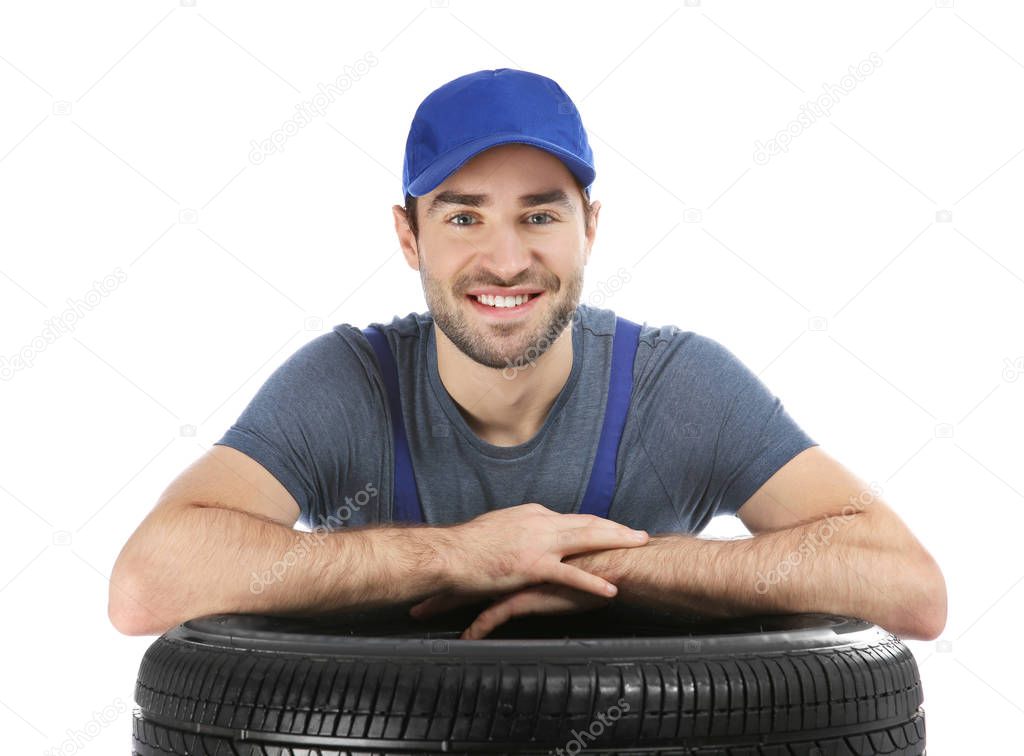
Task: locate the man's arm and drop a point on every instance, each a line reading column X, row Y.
column 220, row 540
column 210, row 560
column 823, row 542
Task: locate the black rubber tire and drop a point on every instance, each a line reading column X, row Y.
column 607, row 681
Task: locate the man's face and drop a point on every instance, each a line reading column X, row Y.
column 510, row 219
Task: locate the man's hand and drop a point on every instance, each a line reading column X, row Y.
column 504, row 550
column 535, row 599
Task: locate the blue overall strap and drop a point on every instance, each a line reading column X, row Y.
column 407, row 501
column 598, row 498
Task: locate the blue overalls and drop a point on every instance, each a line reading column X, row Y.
column 601, row 487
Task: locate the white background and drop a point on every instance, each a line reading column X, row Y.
column 891, row 330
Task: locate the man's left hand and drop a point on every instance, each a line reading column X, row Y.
column 545, row 598
column 541, row 598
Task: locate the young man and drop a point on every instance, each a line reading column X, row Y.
column 524, row 433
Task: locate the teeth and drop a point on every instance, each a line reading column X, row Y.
column 493, row 301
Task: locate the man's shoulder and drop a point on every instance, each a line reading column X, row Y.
column 602, row 320
column 660, row 346
column 674, row 342
column 686, row 359
column 412, row 324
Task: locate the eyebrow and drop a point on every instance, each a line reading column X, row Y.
column 552, row 196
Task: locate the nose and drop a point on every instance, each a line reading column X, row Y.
column 506, row 253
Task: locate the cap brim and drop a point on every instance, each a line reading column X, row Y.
column 454, row 159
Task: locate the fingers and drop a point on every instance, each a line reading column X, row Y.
column 441, row 602
column 541, row 599
column 516, row 605
column 574, row 577
column 598, row 536
column 506, row 549
column 484, row 624
column 430, row 606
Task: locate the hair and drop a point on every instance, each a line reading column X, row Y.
column 411, row 202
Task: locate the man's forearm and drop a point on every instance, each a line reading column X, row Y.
column 836, row 565
column 204, row 560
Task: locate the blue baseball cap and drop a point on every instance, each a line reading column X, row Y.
column 484, row 109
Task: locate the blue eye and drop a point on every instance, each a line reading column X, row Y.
column 549, row 216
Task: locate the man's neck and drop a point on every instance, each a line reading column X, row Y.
column 504, row 407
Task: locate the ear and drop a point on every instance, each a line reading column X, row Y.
column 591, row 231
column 406, row 239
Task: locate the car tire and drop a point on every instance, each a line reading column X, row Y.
column 607, row 681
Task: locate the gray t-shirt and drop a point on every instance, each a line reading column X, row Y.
column 702, row 433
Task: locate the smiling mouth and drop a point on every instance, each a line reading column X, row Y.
column 506, row 302
column 503, row 306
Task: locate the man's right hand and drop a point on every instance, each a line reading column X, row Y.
column 507, row 549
